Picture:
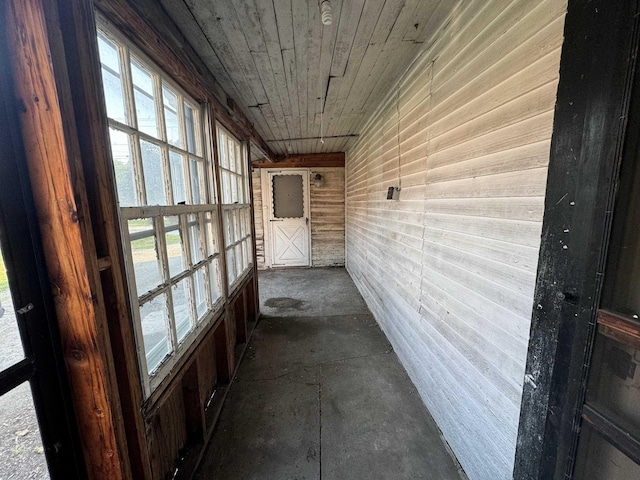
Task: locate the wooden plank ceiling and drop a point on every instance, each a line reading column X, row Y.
column 298, row 80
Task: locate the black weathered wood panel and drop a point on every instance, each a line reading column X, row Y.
column 596, row 68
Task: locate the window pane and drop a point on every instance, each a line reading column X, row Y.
column 210, row 231
column 109, row 56
column 246, row 218
column 190, row 127
column 231, row 266
column 228, row 237
column 238, row 156
column 144, row 99
column 231, row 154
column 170, row 99
column 154, row 318
column 241, row 198
column 238, row 258
column 201, row 294
column 226, row 187
column 597, row 459
column 195, row 169
column 177, row 177
column 235, row 230
column 12, row 351
column 622, row 293
column 234, row 189
column 145, row 255
column 197, row 253
column 288, row 200
column 222, row 149
column 248, row 252
column 123, row 168
column 153, row 173
column 613, row 381
column 181, row 309
column 173, row 238
column 112, row 79
column 214, row 282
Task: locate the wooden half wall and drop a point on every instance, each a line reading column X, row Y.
column 448, row 265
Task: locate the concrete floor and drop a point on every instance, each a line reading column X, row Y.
column 320, row 394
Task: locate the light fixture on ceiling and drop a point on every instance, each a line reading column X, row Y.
column 325, row 11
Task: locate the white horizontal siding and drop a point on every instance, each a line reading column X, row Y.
column 448, row 268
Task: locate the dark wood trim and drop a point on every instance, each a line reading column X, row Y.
column 309, row 160
column 52, row 156
column 77, row 22
column 620, row 328
column 594, row 93
column 22, row 250
column 613, row 433
column 16, row 374
column 252, row 304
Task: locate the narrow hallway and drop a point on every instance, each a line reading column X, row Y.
column 321, row 394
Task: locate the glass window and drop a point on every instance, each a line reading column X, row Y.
column 171, row 113
column 112, row 79
column 123, row 167
column 233, row 165
column 163, row 186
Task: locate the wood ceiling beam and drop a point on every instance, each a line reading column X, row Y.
column 309, row 160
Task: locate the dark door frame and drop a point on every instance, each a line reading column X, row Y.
column 43, row 366
column 591, row 117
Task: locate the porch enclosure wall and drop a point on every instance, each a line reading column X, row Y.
column 126, row 432
column 327, row 217
column 448, row 266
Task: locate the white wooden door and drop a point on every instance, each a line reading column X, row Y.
column 288, row 218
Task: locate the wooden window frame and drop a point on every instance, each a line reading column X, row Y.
column 236, row 215
column 204, row 209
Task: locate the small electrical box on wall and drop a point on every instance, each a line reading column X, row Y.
column 393, row 193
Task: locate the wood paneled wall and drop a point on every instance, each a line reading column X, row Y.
column 327, row 217
column 448, row 268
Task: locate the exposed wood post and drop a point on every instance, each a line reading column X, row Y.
column 308, row 160
column 254, row 307
column 227, row 364
column 57, row 180
column 77, row 23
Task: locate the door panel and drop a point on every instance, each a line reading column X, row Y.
column 609, row 443
column 289, row 218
